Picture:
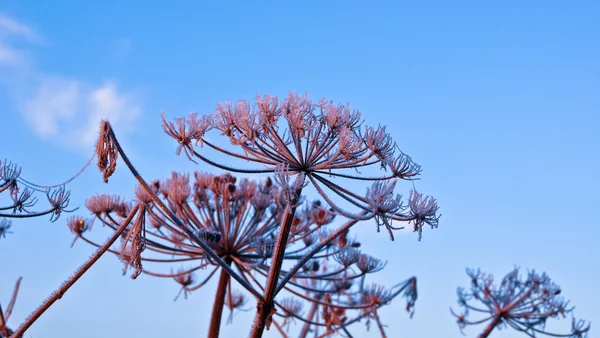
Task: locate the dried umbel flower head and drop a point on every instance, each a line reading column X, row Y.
column 337, row 298
column 235, row 218
column 185, row 278
column 78, row 225
column 187, row 131
column 241, row 234
column 22, row 194
column 524, row 304
column 300, row 142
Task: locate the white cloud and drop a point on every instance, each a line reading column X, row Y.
column 59, row 108
column 107, row 103
column 10, row 55
column 55, row 101
column 9, row 26
column 70, row 112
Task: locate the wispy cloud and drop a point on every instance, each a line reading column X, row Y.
column 68, row 111
column 63, row 109
column 10, row 31
column 10, row 26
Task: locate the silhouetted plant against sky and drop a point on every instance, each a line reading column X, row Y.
column 522, row 304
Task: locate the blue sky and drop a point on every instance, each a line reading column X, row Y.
column 497, row 102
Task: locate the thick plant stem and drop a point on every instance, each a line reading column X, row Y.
column 56, row 295
column 217, row 311
column 265, row 306
column 490, row 327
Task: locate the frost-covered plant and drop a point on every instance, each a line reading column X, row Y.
column 22, row 197
column 302, row 142
column 239, row 219
column 299, row 143
column 522, row 304
column 5, row 331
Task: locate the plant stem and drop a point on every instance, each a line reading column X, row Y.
column 490, row 327
column 266, row 305
column 332, row 236
column 217, row 312
column 311, row 314
column 379, row 324
column 57, row 294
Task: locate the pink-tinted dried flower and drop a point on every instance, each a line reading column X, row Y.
column 299, row 142
column 185, row 133
column 103, row 204
column 78, row 226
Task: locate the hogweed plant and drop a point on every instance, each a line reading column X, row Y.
column 22, row 198
column 297, row 142
column 5, row 331
column 522, row 304
column 239, row 220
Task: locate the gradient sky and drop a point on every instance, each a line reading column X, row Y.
column 499, row 104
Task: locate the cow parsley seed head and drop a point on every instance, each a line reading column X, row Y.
column 323, row 144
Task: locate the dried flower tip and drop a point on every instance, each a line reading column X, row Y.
column 9, row 173
column 369, row 264
column 178, row 188
column 106, row 150
column 78, row 225
column 291, row 307
column 59, row 199
column 403, row 167
column 235, row 300
column 380, row 143
column 320, row 215
column 122, row 209
column 142, row 194
column 423, row 211
column 185, row 279
column 376, row 294
column 185, row 133
column 103, row 203
column 347, row 256
column 22, row 201
column 268, row 110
